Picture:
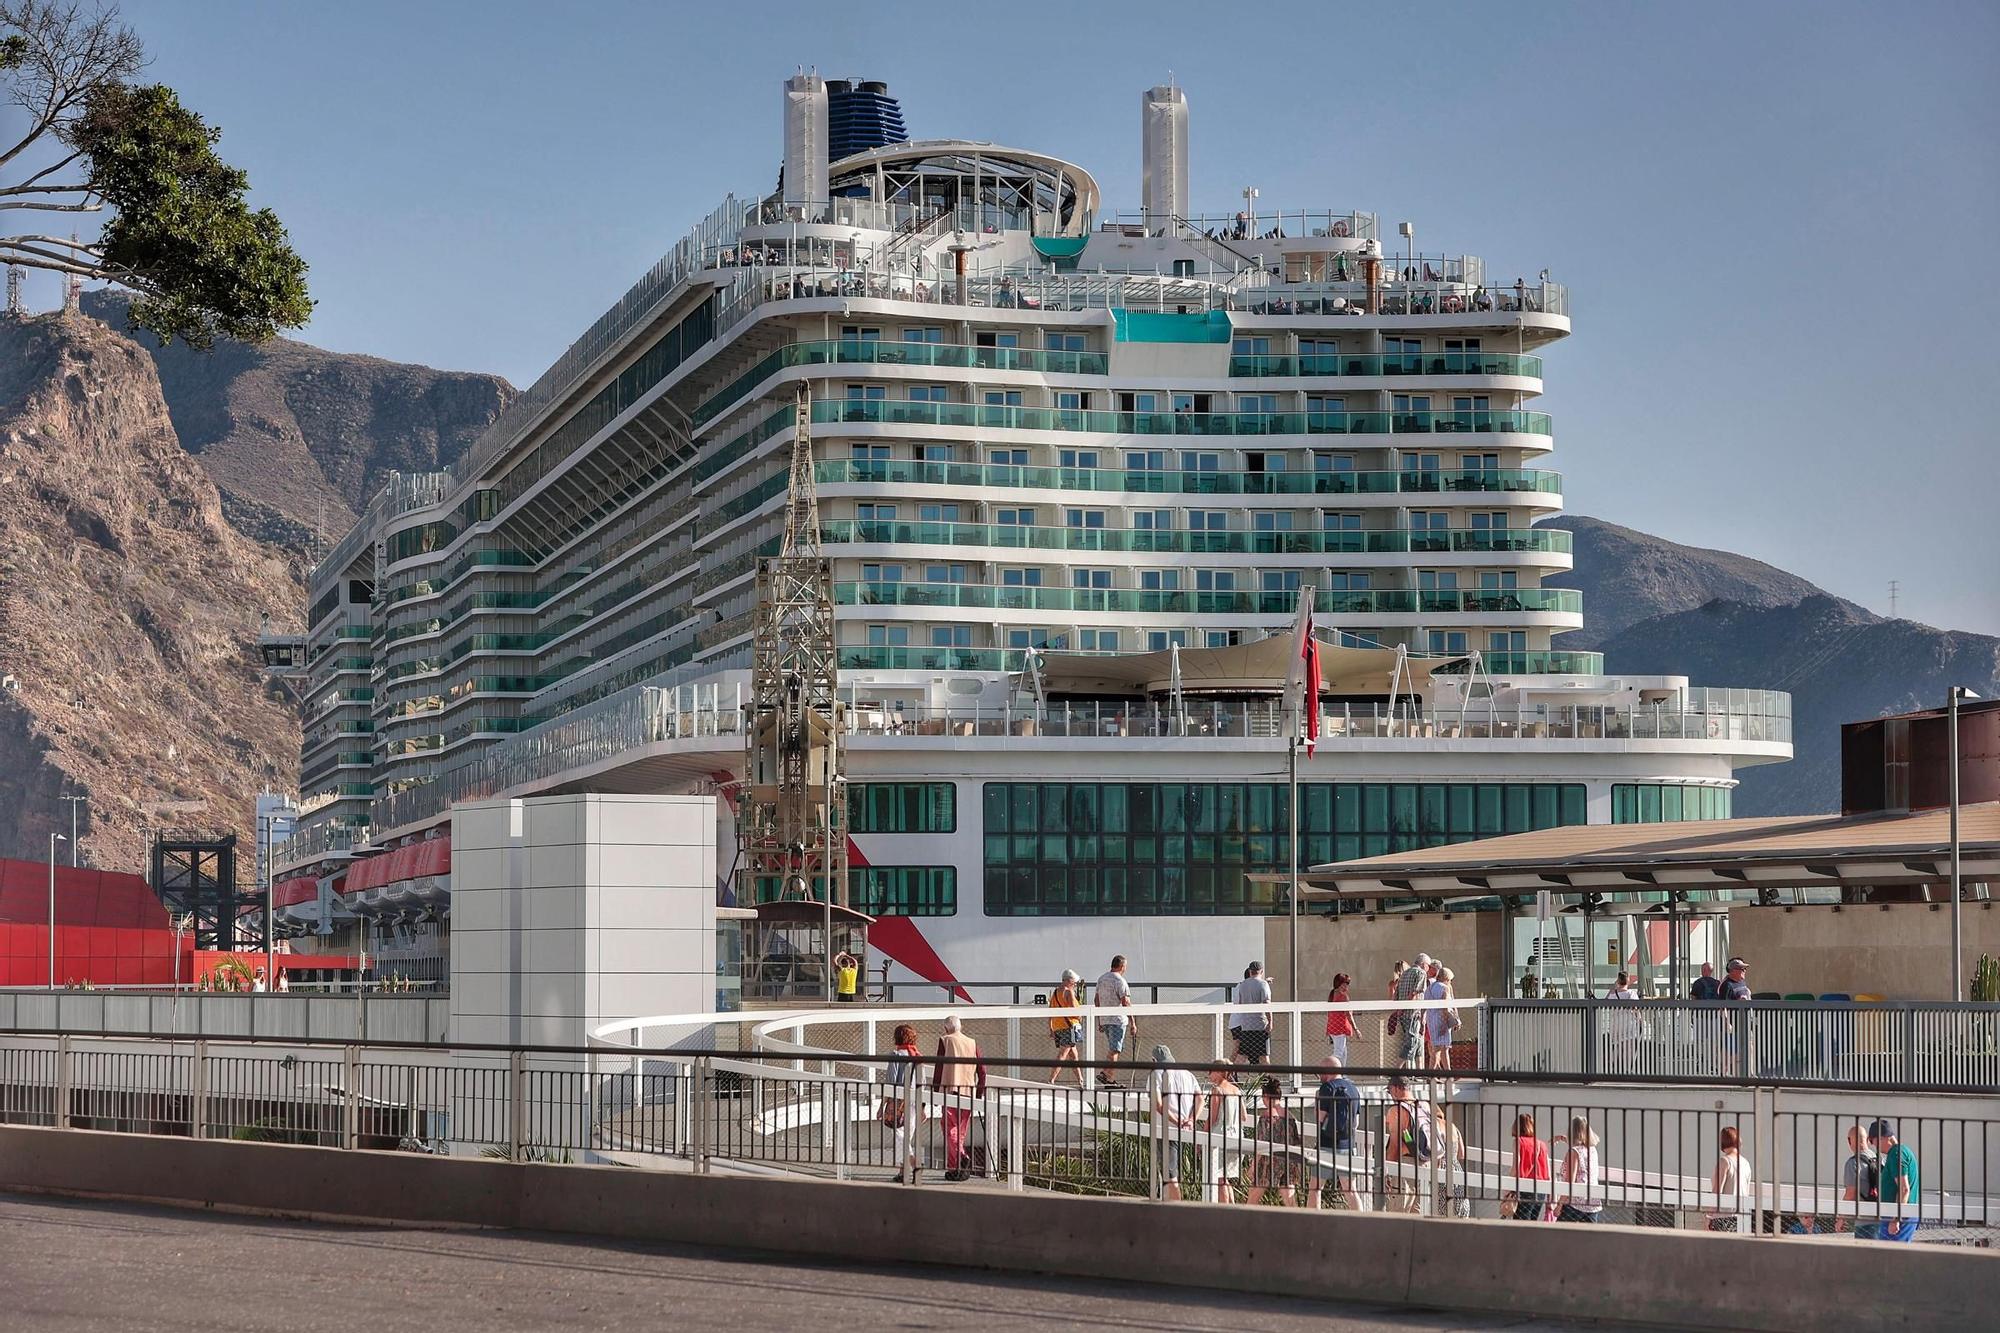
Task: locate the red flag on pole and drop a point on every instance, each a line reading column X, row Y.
column 1302, row 679
column 1312, row 687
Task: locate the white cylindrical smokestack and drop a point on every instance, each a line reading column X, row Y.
column 805, row 144
column 1164, row 176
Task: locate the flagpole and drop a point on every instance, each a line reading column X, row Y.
column 1292, row 958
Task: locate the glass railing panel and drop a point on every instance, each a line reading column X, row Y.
column 902, row 472
column 1314, row 365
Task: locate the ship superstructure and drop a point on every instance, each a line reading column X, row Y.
column 1073, row 468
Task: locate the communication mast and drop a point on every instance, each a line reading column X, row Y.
column 15, row 307
column 72, row 285
column 792, row 819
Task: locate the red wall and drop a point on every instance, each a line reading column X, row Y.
column 110, row 929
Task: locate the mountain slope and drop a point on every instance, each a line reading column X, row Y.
column 128, row 607
column 298, row 438
column 1628, row 576
column 1840, row 663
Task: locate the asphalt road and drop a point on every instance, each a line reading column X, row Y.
column 72, row 1266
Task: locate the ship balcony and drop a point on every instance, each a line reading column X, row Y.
column 876, row 352
column 1497, row 366
column 884, row 537
column 1533, row 488
column 990, row 417
column 1560, row 607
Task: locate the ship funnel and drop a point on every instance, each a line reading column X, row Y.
column 1164, row 176
column 805, row 146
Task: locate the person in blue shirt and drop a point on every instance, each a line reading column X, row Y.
column 1706, row 987
column 1897, row 1182
column 1339, row 1108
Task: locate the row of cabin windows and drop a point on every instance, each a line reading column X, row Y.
column 1078, row 400
column 1196, row 520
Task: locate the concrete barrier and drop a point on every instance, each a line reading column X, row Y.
column 1673, row 1278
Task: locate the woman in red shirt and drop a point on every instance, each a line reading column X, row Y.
column 1339, row 1023
column 1531, row 1171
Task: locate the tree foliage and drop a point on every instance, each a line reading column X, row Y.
column 176, row 228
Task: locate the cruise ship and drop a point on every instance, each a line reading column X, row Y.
column 1074, row 470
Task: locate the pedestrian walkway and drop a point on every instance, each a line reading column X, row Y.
column 77, row 1267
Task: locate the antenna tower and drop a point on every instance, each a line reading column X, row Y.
column 72, row 284
column 792, row 819
column 1895, row 595
column 14, row 305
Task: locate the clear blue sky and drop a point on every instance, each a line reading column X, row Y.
column 1777, row 221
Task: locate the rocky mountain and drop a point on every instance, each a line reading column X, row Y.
column 1628, row 576
column 128, row 607
column 298, row 438
column 1840, row 663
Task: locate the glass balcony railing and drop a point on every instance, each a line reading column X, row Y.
column 1365, row 364
column 868, row 351
column 1550, row 663
column 1386, row 601
column 991, row 417
column 1179, row 542
column 1173, row 482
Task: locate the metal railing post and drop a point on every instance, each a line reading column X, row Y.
column 350, row 1081
column 698, row 1144
column 65, row 1075
column 838, row 1104
column 1910, row 1061
column 1770, row 1153
column 517, row 1103
column 198, row 1093
column 1589, row 1017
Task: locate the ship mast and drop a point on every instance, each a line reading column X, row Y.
column 792, row 820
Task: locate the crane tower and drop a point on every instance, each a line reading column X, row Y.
column 792, row 815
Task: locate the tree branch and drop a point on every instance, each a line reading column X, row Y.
column 85, row 207
column 49, row 170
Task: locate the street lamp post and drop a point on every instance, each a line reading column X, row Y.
column 74, row 802
column 54, row 838
column 1958, row 692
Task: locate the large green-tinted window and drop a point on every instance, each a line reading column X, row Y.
column 1666, row 803
column 1186, row 849
column 902, row 807
column 903, row 890
column 887, row 890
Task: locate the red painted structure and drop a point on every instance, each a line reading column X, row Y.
column 111, row 931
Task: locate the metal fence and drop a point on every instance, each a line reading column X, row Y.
column 1530, row 1148
column 1954, row 1047
column 268, row 1016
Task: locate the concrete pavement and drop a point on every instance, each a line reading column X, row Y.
column 71, row 1266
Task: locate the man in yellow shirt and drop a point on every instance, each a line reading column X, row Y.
column 846, row 977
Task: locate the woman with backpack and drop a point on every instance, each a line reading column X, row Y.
column 1581, row 1194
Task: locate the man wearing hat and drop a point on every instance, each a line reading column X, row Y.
column 1737, row 986
column 1896, row 1182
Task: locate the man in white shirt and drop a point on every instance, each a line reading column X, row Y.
column 1252, row 1028
column 1176, row 1093
column 1113, row 993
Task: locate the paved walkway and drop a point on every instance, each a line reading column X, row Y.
column 69, row 1266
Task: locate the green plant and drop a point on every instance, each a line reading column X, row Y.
column 272, row 1130
column 1986, row 980
column 553, row 1156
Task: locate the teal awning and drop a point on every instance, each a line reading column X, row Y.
column 1060, row 247
column 1147, row 326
